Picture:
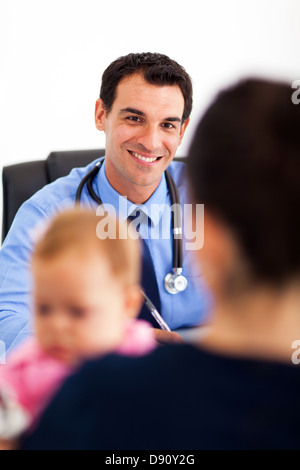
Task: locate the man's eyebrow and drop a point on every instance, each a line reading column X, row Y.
column 173, row 119
column 133, row 111
column 141, row 113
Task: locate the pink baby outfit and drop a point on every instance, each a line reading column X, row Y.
column 31, row 377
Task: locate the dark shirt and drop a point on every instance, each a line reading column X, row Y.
column 178, row 397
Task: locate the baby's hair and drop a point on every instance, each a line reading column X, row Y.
column 76, row 229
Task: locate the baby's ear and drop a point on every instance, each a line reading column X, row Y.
column 133, row 301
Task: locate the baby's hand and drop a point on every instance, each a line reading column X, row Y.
column 8, row 444
column 13, row 418
column 167, row 337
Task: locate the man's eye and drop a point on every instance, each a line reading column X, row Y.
column 168, row 125
column 133, row 118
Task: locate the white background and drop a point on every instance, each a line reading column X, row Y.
column 53, row 53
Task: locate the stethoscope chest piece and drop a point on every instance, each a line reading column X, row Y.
column 175, row 282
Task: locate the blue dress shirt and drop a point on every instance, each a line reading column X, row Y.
column 188, row 308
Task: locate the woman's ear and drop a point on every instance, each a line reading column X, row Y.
column 218, row 254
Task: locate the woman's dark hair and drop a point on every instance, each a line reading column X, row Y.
column 157, row 69
column 244, row 165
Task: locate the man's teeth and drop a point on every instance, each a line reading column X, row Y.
column 148, row 160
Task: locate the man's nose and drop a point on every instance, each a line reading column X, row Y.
column 150, row 140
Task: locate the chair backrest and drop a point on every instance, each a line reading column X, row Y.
column 22, row 180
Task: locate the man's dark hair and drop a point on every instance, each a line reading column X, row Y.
column 157, row 69
column 244, row 165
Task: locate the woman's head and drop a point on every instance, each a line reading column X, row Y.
column 244, row 165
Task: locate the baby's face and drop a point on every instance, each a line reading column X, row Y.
column 80, row 306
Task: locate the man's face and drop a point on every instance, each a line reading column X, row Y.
column 143, row 130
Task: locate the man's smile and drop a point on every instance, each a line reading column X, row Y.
column 144, row 158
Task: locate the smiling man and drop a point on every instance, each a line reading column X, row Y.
column 142, row 138
column 143, row 109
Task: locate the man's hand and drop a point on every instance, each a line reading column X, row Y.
column 167, row 337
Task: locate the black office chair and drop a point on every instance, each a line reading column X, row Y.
column 22, row 180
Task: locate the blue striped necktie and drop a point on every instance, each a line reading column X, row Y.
column 148, row 281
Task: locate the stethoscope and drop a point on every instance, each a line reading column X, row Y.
column 174, row 281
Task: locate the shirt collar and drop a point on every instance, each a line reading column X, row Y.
column 124, row 207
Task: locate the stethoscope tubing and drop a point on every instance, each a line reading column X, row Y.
column 175, row 203
column 176, row 221
column 176, row 229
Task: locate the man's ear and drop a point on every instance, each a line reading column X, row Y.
column 100, row 115
column 182, row 129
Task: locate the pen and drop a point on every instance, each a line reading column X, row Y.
column 155, row 313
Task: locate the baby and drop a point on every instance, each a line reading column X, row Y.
column 86, row 297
